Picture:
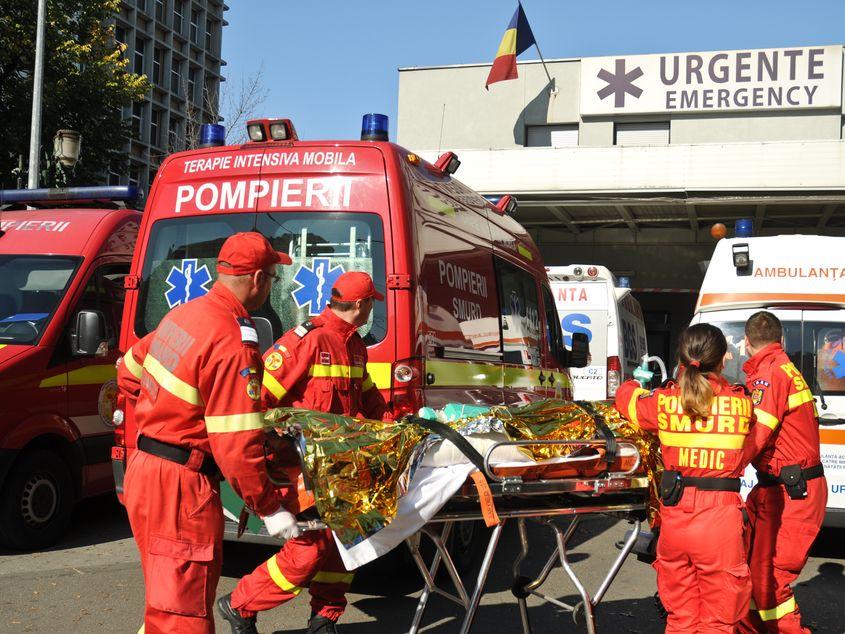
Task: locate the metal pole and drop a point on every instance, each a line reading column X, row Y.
column 37, row 85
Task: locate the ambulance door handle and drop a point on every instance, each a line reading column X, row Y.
column 542, row 377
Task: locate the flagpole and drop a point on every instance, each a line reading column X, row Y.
column 542, row 61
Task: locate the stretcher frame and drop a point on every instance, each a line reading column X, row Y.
column 618, row 494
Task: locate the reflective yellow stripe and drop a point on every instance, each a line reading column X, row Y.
column 3, row 345
column 141, row 631
column 89, row 375
column 777, row 613
column 336, row 371
column 766, row 419
column 702, row 441
column 463, row 373
column 234, row 422
column 279, row 579
column 524, row 252
column 380, row 374
column 632, row 407
column 334, row 577
column 799, row 398
column 273, row 386
column 172, row 383
column 135, row 368
column 367, row 384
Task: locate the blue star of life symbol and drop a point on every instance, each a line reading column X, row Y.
column 186, row 282
column 619, row 83
column 315, row 284
column 839, row 368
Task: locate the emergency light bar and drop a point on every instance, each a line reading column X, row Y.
column 271, row 130
column 505, row 204
column 212, row 135
column 374, row 127
column 112, row 193
column 448, row 162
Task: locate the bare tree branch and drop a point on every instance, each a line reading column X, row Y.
column 240, row 104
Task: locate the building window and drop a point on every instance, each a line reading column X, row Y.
column 114, row 176
column 134, row 175
column 650, row 133
column 142, row 5
column 175, row 135
column 155, row 124
column 178, row 12
column 210, row 28
column 137, row 119
column 158, row 55
column 140, row 46
column 120, row 34
column 195, row 26
column 192, row 85
column 175, row 76
column 161, row 9
column 551, row 135
column 151, row 179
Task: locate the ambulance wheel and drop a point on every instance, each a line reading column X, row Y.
column 467, row 542
column 36, row 501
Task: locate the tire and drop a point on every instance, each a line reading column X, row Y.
column 467, row 543
column 36, row 501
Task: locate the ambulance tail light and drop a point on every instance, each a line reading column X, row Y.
column 406, row 383
column 448, row 163
column 212, row 135
column 614, row 376
column 374, row 127
column 504, row 204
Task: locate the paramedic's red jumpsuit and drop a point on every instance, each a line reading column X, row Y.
column 702, row 572
column 195, row 382
column 783, row 529
column 320, row 365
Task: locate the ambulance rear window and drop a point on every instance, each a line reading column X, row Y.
column 180, row 263
column 738, row 355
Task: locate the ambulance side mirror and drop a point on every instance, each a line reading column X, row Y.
column 90, row 338
column 579, row 356
column 265, row 333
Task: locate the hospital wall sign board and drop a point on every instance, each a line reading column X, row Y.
column 763, row 79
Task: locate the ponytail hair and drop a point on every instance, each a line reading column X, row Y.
column 701, row 349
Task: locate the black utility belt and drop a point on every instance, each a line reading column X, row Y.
column 177, row 454
column 672, row 485
column 793, row 478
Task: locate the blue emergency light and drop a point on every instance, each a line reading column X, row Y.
column 212, row 135
column 744, row 228
column 65, row 195
column 374, row 127
column 623, row 282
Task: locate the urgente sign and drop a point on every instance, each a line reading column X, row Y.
column 765, row 79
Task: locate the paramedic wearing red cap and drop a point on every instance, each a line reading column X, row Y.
column 787, row 506
column 319, row 365
column 195, row 383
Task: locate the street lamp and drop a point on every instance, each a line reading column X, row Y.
column 66, row 147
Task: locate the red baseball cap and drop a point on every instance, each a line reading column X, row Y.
column 248, row 252
column 355, row 285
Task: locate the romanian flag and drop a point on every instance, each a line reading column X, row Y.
column 517, row 39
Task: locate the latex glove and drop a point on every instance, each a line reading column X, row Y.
column 643, row 375
column 282, row 524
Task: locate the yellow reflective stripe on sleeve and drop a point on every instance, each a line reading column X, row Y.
column 234, row 422
column 273, row 386
column 336, row 371
column 334, row 577
column 279, row 579
column 380, row 374
column 367, row 384
column 766, row 419
column 702, row 441
column 135, row 368
column 799, row 398
column 778, row 612
column 170, row 382
column 632, row 406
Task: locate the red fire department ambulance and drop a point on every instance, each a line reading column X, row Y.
column 62, row 264
column 468, row 314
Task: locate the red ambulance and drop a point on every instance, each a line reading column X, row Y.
column 62, row 264
column 468, row 314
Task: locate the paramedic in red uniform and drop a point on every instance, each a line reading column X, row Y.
column 319, row 365
column 703, row 424
column 196, row 385
column 786, row 507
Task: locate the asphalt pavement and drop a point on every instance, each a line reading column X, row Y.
column 92, row 583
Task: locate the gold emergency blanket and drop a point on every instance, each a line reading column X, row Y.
column 359, row 468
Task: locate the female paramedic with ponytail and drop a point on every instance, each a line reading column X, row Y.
column 703, row 424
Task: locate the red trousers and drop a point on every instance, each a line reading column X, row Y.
column 309, row 560
column 783, row 530
column 702, row 574
column 177, row 522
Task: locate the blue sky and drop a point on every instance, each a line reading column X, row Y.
column 328, row 62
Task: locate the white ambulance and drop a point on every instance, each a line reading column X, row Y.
column 589, row 300
column 801, row 279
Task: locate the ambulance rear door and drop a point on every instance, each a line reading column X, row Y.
column 583, row 308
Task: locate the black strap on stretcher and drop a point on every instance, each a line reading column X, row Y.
column 177, row 454
column 602, row 431
column 793, row 478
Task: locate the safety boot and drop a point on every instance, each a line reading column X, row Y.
column 318, row 624
column 238, row 623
